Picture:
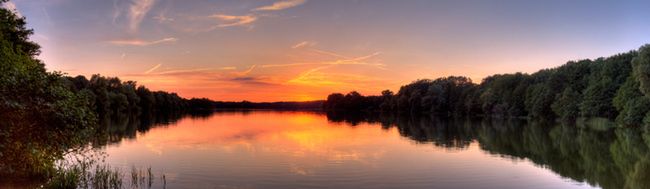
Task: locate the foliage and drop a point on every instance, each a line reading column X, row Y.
column 32, row 99
column 611, row 87
column 46, row 115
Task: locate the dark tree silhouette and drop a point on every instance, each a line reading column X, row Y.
column 612, row 87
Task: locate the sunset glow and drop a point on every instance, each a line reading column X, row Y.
column 297, row 50
column 303, row 146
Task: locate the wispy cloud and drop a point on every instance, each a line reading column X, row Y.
column 222, row 75
column 139, row 42
column 12, row 7
column 195, row 71
column 280, row 5
column 196, row 24
column 324, row 52
column 162, row 18
column 184, row 71
column 252, row 80
column 315, row 77
column 47, row 16
column 228, row 68
column 116, row 12
column 137, row 11
column 289, row 64
column 233, row 20
column 245, row 72
column 341, row 60
column 303, row 44
column 152, row 69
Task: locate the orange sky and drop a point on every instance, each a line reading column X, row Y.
column 288, row 50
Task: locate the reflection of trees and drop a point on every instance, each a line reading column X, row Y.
column 617, row 158
column 441, row 132
column 127, row 126
column 25, row 150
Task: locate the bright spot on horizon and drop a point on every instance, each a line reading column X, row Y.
column 296, row 50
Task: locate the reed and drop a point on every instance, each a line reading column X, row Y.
column 85, row 175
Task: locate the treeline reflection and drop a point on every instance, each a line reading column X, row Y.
column 616, row 158
column 117, row 128
column 612, row 159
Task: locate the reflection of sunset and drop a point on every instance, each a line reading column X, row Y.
column 300, row 146
column 295, row 134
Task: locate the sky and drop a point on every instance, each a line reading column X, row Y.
column 297, row 50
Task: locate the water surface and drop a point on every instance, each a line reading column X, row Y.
column 271, row 149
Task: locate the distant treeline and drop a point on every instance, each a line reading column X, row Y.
column 207, row 104
column 613, row 87
column 45, row 114
column 110, row 96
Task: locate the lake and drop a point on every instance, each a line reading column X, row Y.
column 291, row 149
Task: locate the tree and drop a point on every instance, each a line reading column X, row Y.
column 567, row 104
column 641, row 65
column 32, row 99
column 590, row 88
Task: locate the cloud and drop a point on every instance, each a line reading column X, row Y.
column 221, row 75
column 196, row 71
column 152, row 69
column 139, row 42
column 184, row 72
column 228, row 68
column 47, row 16
column 116, row 12
column 315, row 77
column 289, row 64
column 343, row 60
column 328, row 53
column 246, row 72
column 161, row 18
column 232, row 20
column 137, row 11
column 9, row 5
column 303, row 44
column 280, row 5
column 251, row 80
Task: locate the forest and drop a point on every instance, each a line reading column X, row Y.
column 67, row 111
column 46, row 113
column 615, row 87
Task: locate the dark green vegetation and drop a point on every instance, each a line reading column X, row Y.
column 32, row 99
column 92, row 175
column 617, row 87
column 613, row 159
column 47, row 115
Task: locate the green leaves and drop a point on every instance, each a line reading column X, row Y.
column 641, row 65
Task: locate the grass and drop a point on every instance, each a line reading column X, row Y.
column 85, row 175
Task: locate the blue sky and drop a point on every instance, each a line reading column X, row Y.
column 304, row 49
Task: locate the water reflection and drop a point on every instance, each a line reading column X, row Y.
column 309, row 149
column 610, row 159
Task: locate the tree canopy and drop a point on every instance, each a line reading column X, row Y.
column 613, row 87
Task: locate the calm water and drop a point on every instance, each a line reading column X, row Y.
column 269, row 149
